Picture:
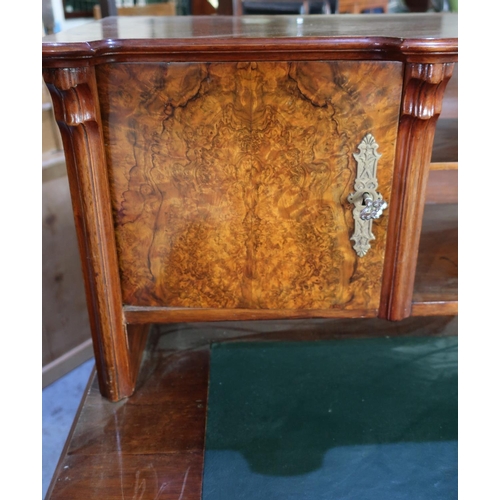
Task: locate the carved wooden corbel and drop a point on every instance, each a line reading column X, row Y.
column 71, row 94
column 75, row 99
column 423, row 91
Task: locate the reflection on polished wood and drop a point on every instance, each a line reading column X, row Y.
column 418, row 33
column 230, row 181
column 154, row 9
column 151, row 445
column 361, row 6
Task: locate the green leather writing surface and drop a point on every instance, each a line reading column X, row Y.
column 349, row 419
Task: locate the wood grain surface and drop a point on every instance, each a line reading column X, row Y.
column 229, row 180
column 149, row 446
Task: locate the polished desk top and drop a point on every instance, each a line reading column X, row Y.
column 152, row 445
column 437, row 32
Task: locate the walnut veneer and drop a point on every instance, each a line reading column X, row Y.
column 211, row 159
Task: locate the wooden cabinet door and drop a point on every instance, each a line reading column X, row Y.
column 230, row 180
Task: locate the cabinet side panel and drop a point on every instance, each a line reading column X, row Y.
column 230, row 180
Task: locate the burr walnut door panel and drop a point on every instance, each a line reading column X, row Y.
column 229, row 181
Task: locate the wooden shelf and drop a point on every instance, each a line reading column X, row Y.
column 436, row 280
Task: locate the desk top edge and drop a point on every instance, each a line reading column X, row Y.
column 435, row 32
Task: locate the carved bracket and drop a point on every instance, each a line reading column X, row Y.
column 72, row 94
column 76, row 108
column 425, row 86
column 422, row 98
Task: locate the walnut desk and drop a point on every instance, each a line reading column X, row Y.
column 237, row 168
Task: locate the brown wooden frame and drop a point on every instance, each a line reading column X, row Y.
column 119, row 332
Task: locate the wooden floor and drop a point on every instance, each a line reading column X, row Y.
column 151, row 446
